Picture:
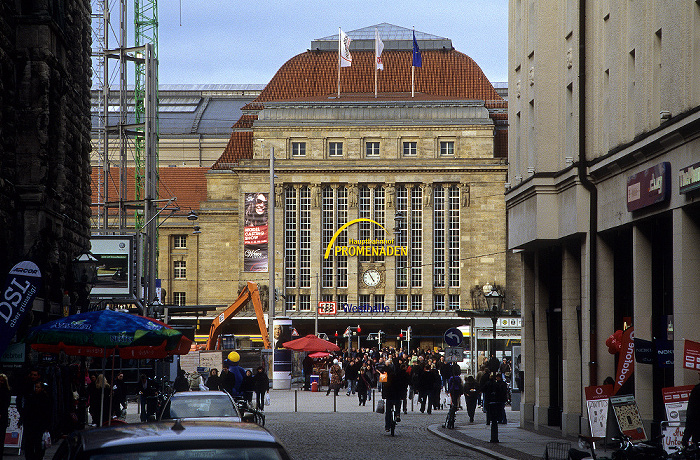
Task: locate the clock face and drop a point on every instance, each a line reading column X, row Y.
column 371, row 277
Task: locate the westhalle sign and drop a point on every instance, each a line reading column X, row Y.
column 367, row 247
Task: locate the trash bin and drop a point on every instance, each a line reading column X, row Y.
column 315, row 378
column 314, row 386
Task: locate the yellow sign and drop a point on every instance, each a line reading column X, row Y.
column 368, row 247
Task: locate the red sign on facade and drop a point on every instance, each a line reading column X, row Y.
column 691, row 355
column 327, row 308
column 651, row 186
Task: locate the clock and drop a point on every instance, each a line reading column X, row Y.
column 371, row 277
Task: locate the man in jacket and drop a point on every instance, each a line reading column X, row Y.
column 261, row 385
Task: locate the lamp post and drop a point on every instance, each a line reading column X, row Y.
column 494, row 301
column 84, row 269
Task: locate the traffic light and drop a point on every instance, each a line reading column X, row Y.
column 380, row 337
column 354, row 329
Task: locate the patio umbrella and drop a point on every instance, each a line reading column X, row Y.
column 101, row 333
column 319, row 354
column 310, row 343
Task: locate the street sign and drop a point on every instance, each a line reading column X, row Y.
column 454, row 354
column 453, row 337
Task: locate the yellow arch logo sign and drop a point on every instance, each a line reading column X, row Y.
column 365, row 247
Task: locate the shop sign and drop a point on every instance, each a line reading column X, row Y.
column 643, row 351
column 676, row 402
column 689, row 178
column 648, row 187
column 691, row 355
column 597, row 403
column 350, row 308
column 628, row 418
column 327, row 308
column 365, row 247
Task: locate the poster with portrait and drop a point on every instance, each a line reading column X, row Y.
column 255, row 232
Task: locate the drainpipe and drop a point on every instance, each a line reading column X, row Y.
column 593, row 193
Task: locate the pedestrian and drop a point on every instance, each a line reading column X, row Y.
column 99, row 401
column 261, row 385
column 364, row 385
column 336, row 378
column 147, row 393
column 226, row 381
column 307, row 367
column 425, row 387
column 471, row 392
column 35, row 418
column 5, row 397
column 181, row 383
column 436, row 382
column 391, row 392
column 248, row 387
column 692, row 418
column 214, row 381
column 351, row 374
column 119, row 396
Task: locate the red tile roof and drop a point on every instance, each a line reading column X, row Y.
column 446, row 74
column 188, row 184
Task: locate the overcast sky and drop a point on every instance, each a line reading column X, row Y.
column 246, row 41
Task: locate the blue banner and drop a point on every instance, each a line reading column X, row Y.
column 664, row 352
column 644, row 352
column 16, row 298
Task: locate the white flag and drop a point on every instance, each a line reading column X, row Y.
column 344, row 49
column 378, row 48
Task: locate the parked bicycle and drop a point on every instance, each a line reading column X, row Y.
column 451, row 417
column 249, row 413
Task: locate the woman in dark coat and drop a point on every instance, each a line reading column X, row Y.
column 364, row 384
column 4, row 405
column 35, row 417
column 214, row 381
column 471, row 393
column 261, row 385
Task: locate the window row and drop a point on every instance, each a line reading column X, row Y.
column 404, row 302
column 373, row 149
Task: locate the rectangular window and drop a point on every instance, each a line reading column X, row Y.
column 410, row 149
column 415, row 251
column 304, row 302
column 379, row 301
column 401, row 302
column 342, row 240
column 416, row 302
column 439, row 302
column 298, row 149
column 179, row 299
column 290, row 237
column 290, row 303
column 372, row 149
column 327, row 231
column 342, row 300
column 453, row 222
column 335, row 149
column 305, row 237
column 401, row 236
column 447, row 148
column 363, row 300
column 453, row 303
column 326, row 297
column 439, row 237
column 180, row 242
column 180, row 270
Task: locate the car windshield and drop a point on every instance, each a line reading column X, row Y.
column 215, row 405
column 240, row 453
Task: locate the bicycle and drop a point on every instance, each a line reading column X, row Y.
column 451, row 417
column 249, row 413
column 689, row 452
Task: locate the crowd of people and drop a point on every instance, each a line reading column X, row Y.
column 401, row 375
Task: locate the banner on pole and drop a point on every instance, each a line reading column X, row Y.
column 21, row 287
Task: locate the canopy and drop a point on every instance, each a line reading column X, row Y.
column 100, row 333
column 319, row 354
column 310, row 343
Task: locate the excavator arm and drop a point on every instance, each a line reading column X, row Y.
column 249, row 293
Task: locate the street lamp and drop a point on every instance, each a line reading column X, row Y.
column 84, row 268
column 494, row 300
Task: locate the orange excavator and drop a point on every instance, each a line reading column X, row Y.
column 251, row 294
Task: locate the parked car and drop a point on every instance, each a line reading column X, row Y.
column 200, row 405
column 173, row 440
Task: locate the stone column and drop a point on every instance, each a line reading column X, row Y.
column 641, row 295
column 428, row 248
column 352, row 232
column 542, row 355
column 571, row 349
column 528, row 350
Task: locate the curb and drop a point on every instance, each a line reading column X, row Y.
column 434, row 429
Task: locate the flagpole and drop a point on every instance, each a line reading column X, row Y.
column 339, row 38
column 413, row 79
column 376, row 64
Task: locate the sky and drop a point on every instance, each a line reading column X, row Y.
column 245, row 41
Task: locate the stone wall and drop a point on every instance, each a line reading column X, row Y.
column 45, row 74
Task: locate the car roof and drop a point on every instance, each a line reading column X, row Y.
column 175, row 432
column 194, row 394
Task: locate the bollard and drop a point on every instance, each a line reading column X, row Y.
column 334, row 397
column 295, row 400
column 374, row 400
column 495, row 415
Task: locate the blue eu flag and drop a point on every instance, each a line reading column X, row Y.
column 417, row 59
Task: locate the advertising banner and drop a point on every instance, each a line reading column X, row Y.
column 644, row 352
column 13, row 432
column 664, row 352
column 21, row 286
column 597, row 398
column 625, row 366
column 676, row 402
column 255, row 232
column 628, row 418
column 691, row 355
column 282, row 361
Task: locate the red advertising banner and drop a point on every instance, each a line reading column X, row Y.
column 676, row 402
column 327, row 308
column 255, row 236
column 691, row 355
column 625, row 366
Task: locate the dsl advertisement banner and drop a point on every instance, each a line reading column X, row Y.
column 16, row 298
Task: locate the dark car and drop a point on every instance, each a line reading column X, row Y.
column 173, row 440
column 201, row 405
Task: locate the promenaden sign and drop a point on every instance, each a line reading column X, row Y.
column 21, row 286
column 365, row 247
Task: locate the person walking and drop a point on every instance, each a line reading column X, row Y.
column 351, row 373
column 182, row 383
column 248, row 387
column 147, row 391
column 391, row 392
column 5, row 398
column 471, row 392
column 213, row 381
column 35, row 418
column 364, row 385
column 307, row 367
column 119, row 403
column 336, row 378
column 261, row 385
